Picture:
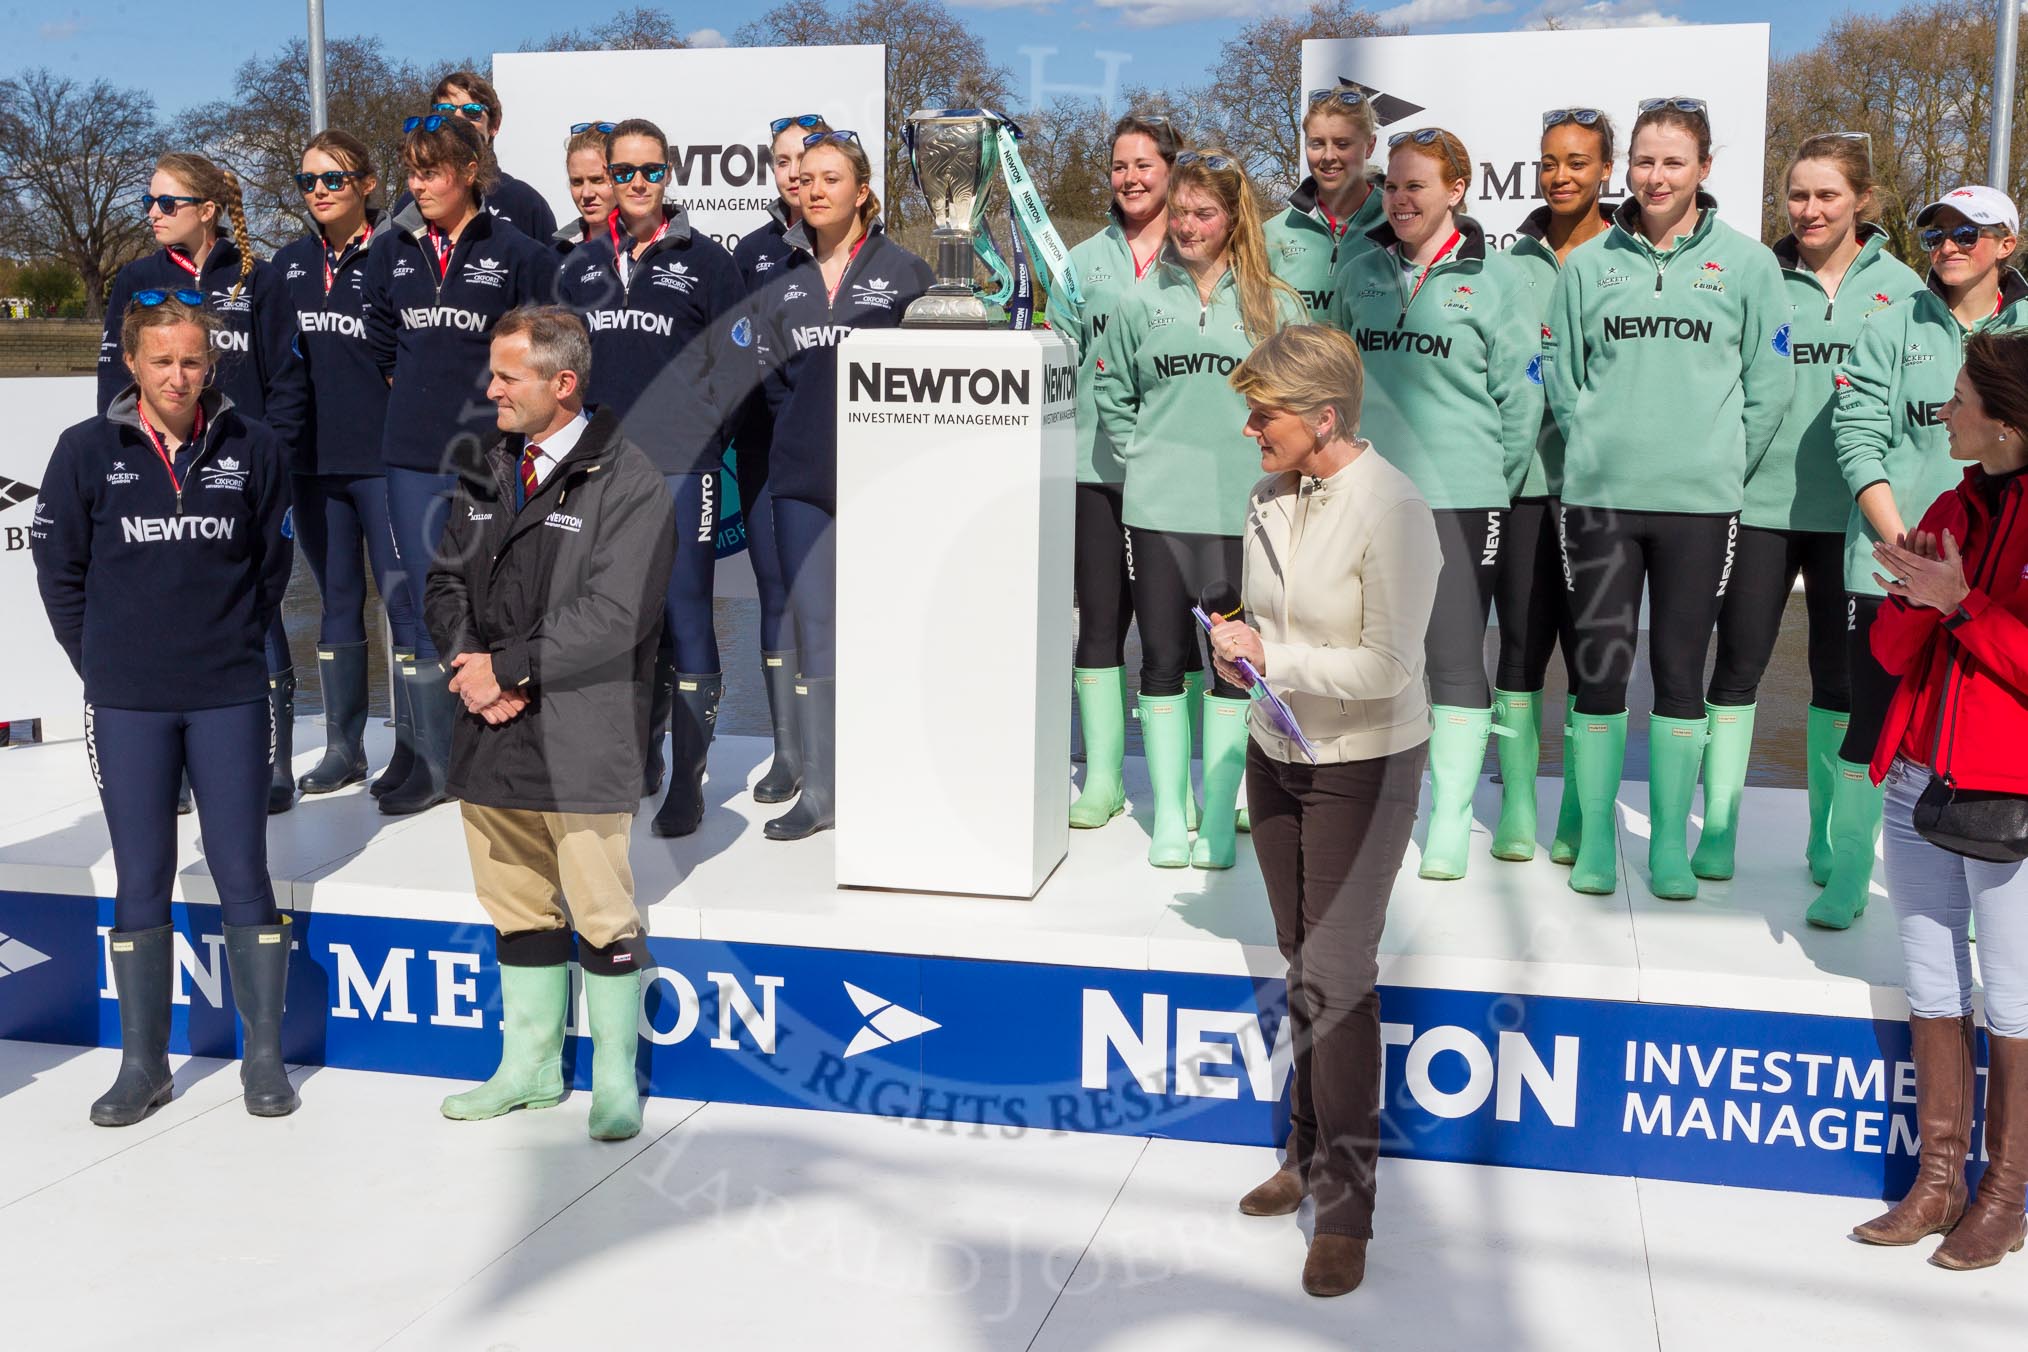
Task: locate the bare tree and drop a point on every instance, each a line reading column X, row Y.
column 260, row 130
column 793, row 23
column 76, row 159
column 1919, row 82
column 639, row 28
column 1254, row 101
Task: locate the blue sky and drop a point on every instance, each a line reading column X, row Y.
column 183, row 54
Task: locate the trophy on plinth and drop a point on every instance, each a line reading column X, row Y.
column 951, row 151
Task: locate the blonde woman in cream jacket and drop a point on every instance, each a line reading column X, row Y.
column 1340, row 576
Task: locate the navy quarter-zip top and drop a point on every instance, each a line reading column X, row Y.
column 160, row 584
column 431, row 333
column 346, row 395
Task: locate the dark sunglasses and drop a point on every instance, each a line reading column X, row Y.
column 168, row 203
column 1583, row 117
column 624, row 173
column 429, row 123
column 152, row 297
column 1965, row 236
column 477, row 112
column 332, row 179
column 1422, row 136
column 1215, row 163
column 1351, row 98
column 580, row 128
column 1694, row 107
column 817, row 138
column 782, row 124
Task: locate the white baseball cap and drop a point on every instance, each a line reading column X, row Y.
column 1978, row 204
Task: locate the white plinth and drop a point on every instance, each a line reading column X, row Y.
column 956, row 466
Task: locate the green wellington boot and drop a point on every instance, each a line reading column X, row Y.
column 1569, row 814
column 1826, row 733
column 1594, row 755
column 612, row 1007
column 1675, row 750
column 1457, row 751
column 1193, row 691
column 1519, row 714
column 1855, row 829
column 1102, row 714
column 1224, row 767
column 532, row 1005
column 1165, row 740
column 1726, row 752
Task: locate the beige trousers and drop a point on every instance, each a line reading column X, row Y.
column 553, row 870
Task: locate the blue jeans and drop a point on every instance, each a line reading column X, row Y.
column 1936, row 895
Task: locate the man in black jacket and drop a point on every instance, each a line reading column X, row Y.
column 546, row 595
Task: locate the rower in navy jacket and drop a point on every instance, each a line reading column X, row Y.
column 761, row 256
column 656, row 296
column 846, row 275
column 339, row 479
column 591, row 187
column 437, row 280
column 190, row 203
column 158, row 550
column 471, row 98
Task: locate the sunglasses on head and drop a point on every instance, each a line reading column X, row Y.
column 1351, row 98
column 580, row 128
column 1682, row 104
column 1422, row 136
column 1215, row 163
column 817, row 138
column 331, row 179
column 782, row 124
column 168, row 203
column 477, row 112
column 624, row 173
column 428, row 123
column 152, row 297
column 1965, row 236
column 1583, row 117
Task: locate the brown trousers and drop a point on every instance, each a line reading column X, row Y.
column 1330, row 839
column 553, row 870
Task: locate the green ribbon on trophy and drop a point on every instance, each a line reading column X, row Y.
column 956, row 154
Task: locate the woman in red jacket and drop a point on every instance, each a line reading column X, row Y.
column 1955, row 630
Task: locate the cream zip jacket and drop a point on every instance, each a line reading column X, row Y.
column 1340, row 577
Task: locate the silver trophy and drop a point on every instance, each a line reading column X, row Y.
column 948, row 151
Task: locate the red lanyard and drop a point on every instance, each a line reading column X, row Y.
column 1141, row 268
column 440, row 247
column 1331, row 223
column 1449, row 244
column 623, row 257
column 332, row 257
column 161, row 446
column 831, row 292
column 182, row 260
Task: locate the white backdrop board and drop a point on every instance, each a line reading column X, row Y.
column 36, row 679
column 714, row 104
column 1491, row 89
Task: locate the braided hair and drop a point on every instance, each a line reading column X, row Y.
column 219, row 186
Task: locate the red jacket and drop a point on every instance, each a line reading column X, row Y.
column 1962, row 706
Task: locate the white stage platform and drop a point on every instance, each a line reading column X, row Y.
column 367, row 1221
column 1720, row 1040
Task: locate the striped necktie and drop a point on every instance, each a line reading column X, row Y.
column 529, row 483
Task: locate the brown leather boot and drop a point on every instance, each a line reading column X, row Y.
column 1943, row 1115
column 1337, row 1264
column 1994, row 1225
column 1281, row 1195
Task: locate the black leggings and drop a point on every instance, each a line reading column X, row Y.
column 1872, row 685
column 138, row 756
column 1534, row 609
column 1684, row 561
column 1454, row 646
column 1105, row 602
column 1167, row 571
column 1764, row 572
